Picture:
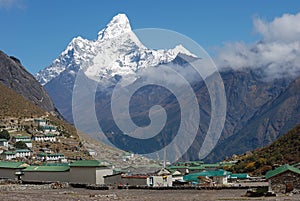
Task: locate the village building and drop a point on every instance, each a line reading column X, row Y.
column 283, row 179
column 212, row 177
column 45, row 138
column 19, row 153
column 89, row 171
column 50, row 157
column 162, row 178
column 19, row 138
column 9, row 155
column 238, row 177
column 92, row 152
column 134, row 180
column 45, row 150
column 113, row 179
column 45, row 174
column 176, row 175
column 28, row 143
column 3, row 143
column 182, row 169
column 10, row 170
column 22, row 153
column 40, row 122
column 48, row 128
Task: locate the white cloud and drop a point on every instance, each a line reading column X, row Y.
column 278, row 52
column 285, row 28
column 8, row 4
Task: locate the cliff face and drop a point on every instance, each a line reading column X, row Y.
column 14, row 76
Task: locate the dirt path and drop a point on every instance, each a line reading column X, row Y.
column 133, row 195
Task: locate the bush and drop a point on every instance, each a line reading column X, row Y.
column 4, row 134
column 21, row 145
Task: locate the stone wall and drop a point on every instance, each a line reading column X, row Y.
column 279, row 182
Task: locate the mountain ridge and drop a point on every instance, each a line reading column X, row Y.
column 14, row 76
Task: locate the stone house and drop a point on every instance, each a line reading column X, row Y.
column 283, row 179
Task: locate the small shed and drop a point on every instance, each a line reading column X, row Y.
column 283, row 179
column 89, row 171
column 45, row 174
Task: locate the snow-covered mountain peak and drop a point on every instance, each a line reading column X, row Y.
column 116, row 27
column 116, row 52
column 180, row 49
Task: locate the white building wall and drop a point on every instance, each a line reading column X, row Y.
column 100, row 172
column 160, row 181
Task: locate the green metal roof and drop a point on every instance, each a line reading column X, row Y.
column 88, row 163
column 3, row 140
column 50, row 135
column 48, row 127
column 282, row 169
column 22, row 150
column 215, row 173
column 46, row 169
column 9, row 153
column 21, row 137
column 196, row 168
column 210, row 165
column 9, row 164
column 239, row 176
column 177, row 167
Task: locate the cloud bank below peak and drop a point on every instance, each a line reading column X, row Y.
column 277, row 53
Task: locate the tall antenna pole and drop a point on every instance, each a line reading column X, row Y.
column 165, row 156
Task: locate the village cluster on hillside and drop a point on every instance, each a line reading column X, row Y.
column 32, row 152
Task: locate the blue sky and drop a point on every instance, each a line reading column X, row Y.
column 37, row 31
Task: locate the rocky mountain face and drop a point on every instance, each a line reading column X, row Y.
column 274, row 118
column 258, row 110
column 14, row 76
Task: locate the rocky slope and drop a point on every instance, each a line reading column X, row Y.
column 14, row 76
column 262, row 113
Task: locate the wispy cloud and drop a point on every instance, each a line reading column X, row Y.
column 9, row 4
column 278, row 52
